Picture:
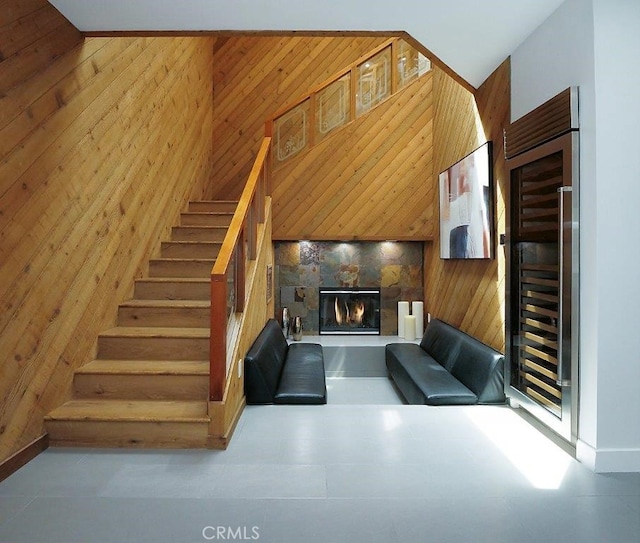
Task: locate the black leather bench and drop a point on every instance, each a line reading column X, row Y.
column 449, row 367
column 278, row 373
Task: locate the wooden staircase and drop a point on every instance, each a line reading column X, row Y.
column 149, row 383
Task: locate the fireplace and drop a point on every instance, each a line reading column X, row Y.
column 347, row 310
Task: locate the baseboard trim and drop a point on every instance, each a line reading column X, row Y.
column 23, row 456
column 608, row 460
column 586, row 454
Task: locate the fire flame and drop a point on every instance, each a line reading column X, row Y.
column 358, row 312
column 346, row 315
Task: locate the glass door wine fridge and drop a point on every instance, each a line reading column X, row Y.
column 541, row 246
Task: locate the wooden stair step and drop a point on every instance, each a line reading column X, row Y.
column 143, row 343
column 181, row 267
column 205, row 219
column 208, row 206
column 167, row 303
column 190, row 249
column 149, row 385
column 173, row 288
column 156, row 331
column 143, row 379
column 129, row 423
column 165, row 313
column 145, row 367
column 198, row 233
column 131, row 410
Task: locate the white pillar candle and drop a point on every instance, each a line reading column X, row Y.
column 403, row 311
column 417, row 310
column 409, row 327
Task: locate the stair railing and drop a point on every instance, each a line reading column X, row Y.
column 344, row 97
column 228, row 273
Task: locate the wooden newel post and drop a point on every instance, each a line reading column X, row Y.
column 218, row 339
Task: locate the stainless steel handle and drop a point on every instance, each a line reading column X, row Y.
column 561, row 380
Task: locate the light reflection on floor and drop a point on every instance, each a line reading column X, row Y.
column 540, row 460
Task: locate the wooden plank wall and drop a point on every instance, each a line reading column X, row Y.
column 470, row 294
column 256, row 76
column 313, row 199
column 370, row 180
column 102, row 142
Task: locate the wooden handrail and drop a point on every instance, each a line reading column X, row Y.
column 235, row 228
column 249, row 213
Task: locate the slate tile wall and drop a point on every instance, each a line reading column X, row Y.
column 301, row 267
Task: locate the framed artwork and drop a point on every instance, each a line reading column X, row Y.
column 466, row 207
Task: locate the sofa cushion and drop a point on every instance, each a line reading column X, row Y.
column 422, row 380
column 263, row 364
column 439, row 387
column 481, row 369
column 302, row 380
column 442, row 342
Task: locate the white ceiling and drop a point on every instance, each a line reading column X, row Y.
column 471, row 36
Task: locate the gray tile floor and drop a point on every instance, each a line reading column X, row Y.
column 364, row 468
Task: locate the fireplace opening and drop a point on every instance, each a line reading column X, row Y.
column 347, row 310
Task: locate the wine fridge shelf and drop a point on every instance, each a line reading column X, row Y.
column 539, row 286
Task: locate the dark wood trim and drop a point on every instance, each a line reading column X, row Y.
column 292, row 33
column 241, row 33
column 555, row 117
column 351, row 69
column 439, row 63
column 218, row 327
column 23, row 456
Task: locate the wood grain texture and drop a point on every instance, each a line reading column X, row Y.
column 469, row 294
column 555, row 117
column 369, row 180
column 321, row 195
column 102, row 143
column 123, row 423
column 256, row 76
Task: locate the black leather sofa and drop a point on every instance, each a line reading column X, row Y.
column 449, row 367
column 278, row 373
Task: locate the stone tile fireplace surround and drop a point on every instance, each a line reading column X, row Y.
column 301, row 267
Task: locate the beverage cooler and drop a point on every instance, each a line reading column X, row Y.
column 541, row 244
